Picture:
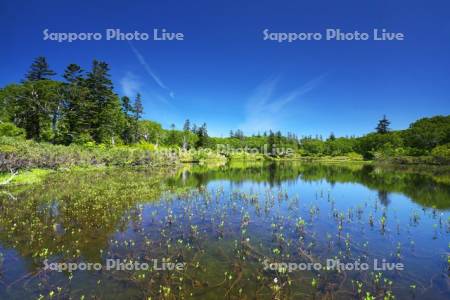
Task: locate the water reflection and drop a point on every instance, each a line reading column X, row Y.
column 205, row 215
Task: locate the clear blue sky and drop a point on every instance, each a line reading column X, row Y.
column 226, row 75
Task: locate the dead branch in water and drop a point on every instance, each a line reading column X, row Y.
column 7, row 181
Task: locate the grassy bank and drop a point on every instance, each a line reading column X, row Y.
column 33, row 160
column 18, row 154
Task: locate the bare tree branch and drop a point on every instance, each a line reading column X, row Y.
column 7, row 181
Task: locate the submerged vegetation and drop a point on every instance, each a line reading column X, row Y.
column 239, row 231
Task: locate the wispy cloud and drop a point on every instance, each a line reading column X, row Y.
column 265, row 109
column 130, row 84
column 150, row 72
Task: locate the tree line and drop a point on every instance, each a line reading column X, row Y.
column 83, row 108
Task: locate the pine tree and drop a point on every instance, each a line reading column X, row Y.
column 73, row 73
column 77, row 109
column 107, row 118
column 186, row 132
column 383, row 125
column 187, row 125
column 39, row 70
column 271, row 143
column 202, row 134
column 194, row 128
column 126, row 106
column 138, row 107
column 129, row 126
column 332, row 137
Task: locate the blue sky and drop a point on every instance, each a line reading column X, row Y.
column 226, row 75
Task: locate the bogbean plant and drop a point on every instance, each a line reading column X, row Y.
column 219, row 235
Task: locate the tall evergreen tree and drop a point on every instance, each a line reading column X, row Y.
column 332, row 137
column 39, row 70
column 73, row 73
column 186, row 133
column 202, row 134
column 126, row 106
column 129, row 126
column 138, row 110
column 194, row 128
column 187, row 125
column 138, row 107
column 78, row 107
column 107, row 118
column 383, row 125
column 271, row 141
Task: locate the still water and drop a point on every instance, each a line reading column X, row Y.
column 276, row 231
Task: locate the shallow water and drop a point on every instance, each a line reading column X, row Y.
column 232, row 227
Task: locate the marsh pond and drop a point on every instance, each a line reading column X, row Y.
column 242, row 231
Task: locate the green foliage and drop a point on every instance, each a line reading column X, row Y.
column 442, row 153
column 313, row 146
column 150, row 131
column 428, row 133
column 374, row 145
column 11, row 130
column 84, row 110
column 383, row 126
column 202, row 134
column 339, row 146
column 26, row 154
column 39, row 70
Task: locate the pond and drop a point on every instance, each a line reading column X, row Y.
column 240, row 231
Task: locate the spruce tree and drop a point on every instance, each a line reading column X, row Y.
column 187, row 125
column 107, row 118
column 138, row 108
column 271, row 143
column 383, row 125
column 332, row 137
column 77, row 108
column 202, row 134
column 39, row 70
column 73, row 73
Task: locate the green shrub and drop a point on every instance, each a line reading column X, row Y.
column 11, row 130
column 25, row 154
column 354, row 156
column 442, row 153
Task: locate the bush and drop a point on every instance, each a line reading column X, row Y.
column 11, row 130
column 442, row 153
column 24, row 154
column 377, row 145
column 354, row 156
column 428, row 133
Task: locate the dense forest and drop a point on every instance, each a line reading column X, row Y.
column 83, row 109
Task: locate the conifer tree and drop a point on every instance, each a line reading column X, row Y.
column 383, row 125
column 138, row 108
column 187, row 125
column 107, row 118
column 202, row 134
column 39, row 70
